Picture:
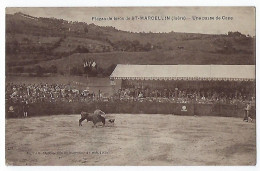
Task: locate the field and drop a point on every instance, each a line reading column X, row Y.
column 134, row 140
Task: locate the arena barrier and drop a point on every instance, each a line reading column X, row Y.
column 226, row 110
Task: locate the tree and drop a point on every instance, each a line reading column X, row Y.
column 39, row 70
column 86, row 29
column 81, row 49
column 53, row 69
column 236, row 34
column 8, row 49
column 135, row 45
column 109, row 70
column 16, row 47
column 73, row 70
column 76, row 71
column 148, row 47
column 19, row 69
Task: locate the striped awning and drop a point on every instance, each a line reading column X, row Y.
column 185, row 72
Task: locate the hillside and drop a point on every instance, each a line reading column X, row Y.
column 57, row 46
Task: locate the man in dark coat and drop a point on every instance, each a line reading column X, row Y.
column 25, row 108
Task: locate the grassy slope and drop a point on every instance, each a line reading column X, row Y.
column 197, row 48
column 71, row 43
column 104, row 60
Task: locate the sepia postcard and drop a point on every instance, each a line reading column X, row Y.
column 130, row 86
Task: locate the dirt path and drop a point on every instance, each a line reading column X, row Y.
column 134, row 140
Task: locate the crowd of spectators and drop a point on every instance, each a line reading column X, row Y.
column 202, row 96
column 32, row 93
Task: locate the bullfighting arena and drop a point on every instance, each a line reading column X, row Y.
column 139, row 139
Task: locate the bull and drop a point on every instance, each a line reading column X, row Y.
column 95, row 117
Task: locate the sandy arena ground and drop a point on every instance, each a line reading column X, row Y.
column 133, row 140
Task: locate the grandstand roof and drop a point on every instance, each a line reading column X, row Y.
column 185, row 72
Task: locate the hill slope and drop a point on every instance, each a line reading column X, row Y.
column 32, row 41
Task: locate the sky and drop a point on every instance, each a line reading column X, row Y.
column 243, row 18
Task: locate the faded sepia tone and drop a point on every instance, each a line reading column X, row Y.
column 130, row 86
column 244, row 18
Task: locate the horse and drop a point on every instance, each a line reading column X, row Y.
column 95, row 118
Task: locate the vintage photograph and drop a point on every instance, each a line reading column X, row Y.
column 130, row 86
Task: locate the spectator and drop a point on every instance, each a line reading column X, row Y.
column 25, row 109
column 247, row 110
column 66, row 93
